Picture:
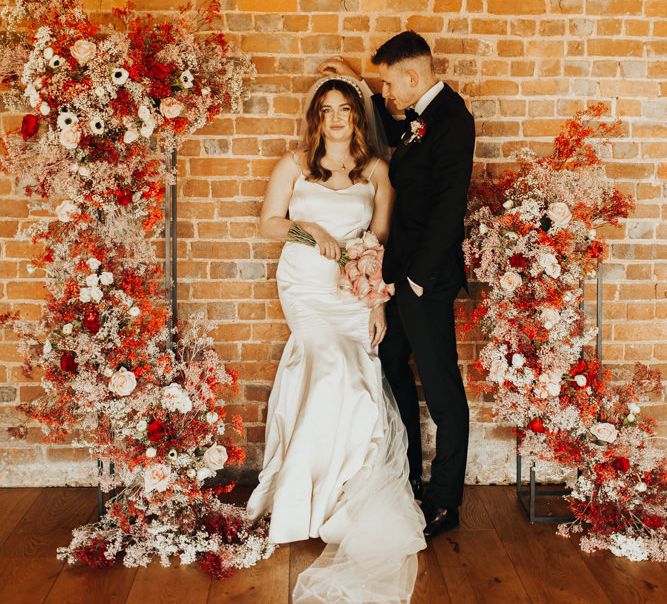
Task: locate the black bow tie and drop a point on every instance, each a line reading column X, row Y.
column 411, row 115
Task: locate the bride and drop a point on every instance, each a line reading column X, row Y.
column 335, row 464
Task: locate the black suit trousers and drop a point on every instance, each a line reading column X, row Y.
column 424, row 326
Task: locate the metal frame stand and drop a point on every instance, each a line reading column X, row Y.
column 170, row 282
column 528, row 497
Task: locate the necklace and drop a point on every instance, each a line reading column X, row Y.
column 343, row 167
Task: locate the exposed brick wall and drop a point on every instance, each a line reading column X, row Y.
column 523, row 66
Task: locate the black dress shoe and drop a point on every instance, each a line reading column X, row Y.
column 417, row 488
column 439, row 520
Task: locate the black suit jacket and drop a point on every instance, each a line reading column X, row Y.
column 431, row 178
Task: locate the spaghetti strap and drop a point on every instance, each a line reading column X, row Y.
column 377, row 161
column 294, row 159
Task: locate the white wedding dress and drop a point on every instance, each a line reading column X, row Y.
column 335, row 464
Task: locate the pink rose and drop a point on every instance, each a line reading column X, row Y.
column 156, row 478
column 354, row 248
column 83, row 51
column 510, row 281
column 370, row 240
column 170, row 108
column 351, row 270
column 369, row 263
column 604, row 432
column 361, row 287
column 70, row 137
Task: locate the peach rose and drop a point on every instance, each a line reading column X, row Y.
column 559, row 213
column 354, row 248
column 83, row 51
column 170, row 108
column 70, row 137
column 370, row 240
column 369, row 263
column 123, row 382
column 510, row 281
column 215, row 457
column 604, row 432
column 156, row 478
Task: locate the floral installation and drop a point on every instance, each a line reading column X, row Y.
column 360, row 263
column 417, row 131
column 102, row 105
column 533, row 240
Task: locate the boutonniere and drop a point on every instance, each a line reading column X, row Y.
column 417, row 131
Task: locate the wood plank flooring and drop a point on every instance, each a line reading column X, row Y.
column 495, row 557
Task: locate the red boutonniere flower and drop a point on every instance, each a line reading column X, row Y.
column 29, row 126
column 417, row 131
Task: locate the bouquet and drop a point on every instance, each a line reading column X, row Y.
column 361, row 265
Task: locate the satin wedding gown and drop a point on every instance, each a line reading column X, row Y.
column 335, row 463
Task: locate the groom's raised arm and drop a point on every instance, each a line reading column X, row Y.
column 452, row 150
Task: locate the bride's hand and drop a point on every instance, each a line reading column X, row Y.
column 377, row 325
column 327, row 245
column 339, row 66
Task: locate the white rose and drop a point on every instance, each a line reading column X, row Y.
column 631, row 418
column 47, row 348
column 151, row 452
column 510, row 281
column 106, row 278
column 123, row 382
column 370, row 240
column 559, row 213
column 205, row 91
column 83, row 51
column 130, row 136
column 174, row 398
column 192, row 473
column 156, row 478
column 144, row 114
column 604, row 432
column 67, row 329
column 108, row 372
column 204, row 473
column 215, row 457
column 142, row 425
column 580, row 380
column 84, row 171
column 553, row 270
column 641, row 487
column 92, row 280
column 66, row 211
column 518, row 360
column 70, row 137
column 170, row 108
column 44, row 108
column 135, row 311
column 96, row 294
column 634, row 408
column 84, row 294
column 553, row 388
column 48, row 53
column 508, row 204
column 147, row 130
column 483, row 229
column 211, row 417
column 550, row 317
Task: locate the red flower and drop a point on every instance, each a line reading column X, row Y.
column 156, row 430
column 68, row 361
column 29, row 126
column 518, row 261
column 536, row 425
column 622, row 464
column 124, row 199
column 653, row 521
column 91, row 320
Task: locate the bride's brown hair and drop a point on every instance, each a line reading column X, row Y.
column 314, row 139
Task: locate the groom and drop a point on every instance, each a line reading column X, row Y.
column 430, row 171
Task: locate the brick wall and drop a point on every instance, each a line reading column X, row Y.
column 523, row 66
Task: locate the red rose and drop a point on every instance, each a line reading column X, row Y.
column 29, row 126
column 124, row 199
column 68, row 361
column 518, row 261
column 622, row 464
column 156, row 431
column 653, row 521
column 91, row 320
column 536, row 425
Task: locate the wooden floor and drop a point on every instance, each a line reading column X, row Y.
column 496, row 557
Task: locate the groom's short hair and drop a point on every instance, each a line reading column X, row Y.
column 406, row 45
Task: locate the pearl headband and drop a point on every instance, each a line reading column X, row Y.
column 343, row 78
